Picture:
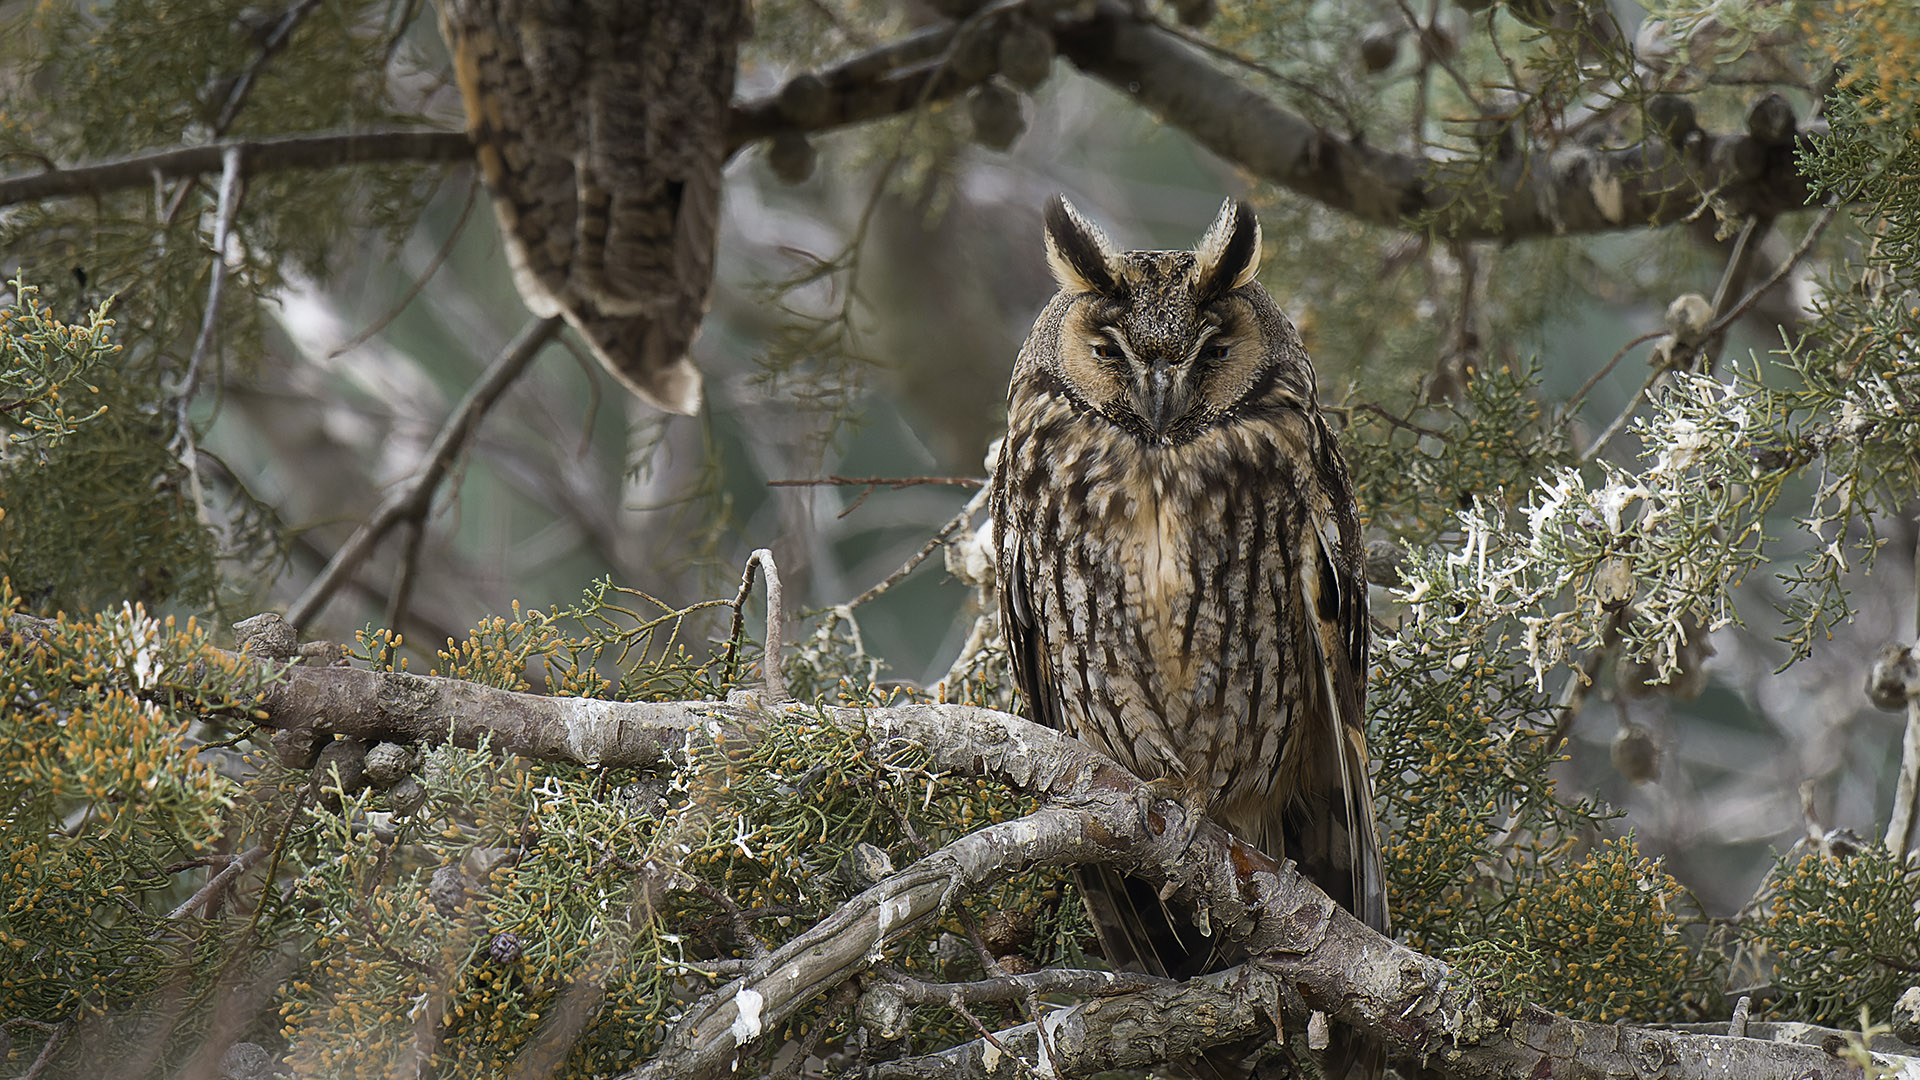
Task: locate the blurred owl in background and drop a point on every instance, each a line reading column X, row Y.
column 1181, row 577
column 600, row 127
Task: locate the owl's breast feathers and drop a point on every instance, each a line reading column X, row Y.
column 1161, row 584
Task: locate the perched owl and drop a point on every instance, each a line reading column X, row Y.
column 1180, row 570
column 600, row 127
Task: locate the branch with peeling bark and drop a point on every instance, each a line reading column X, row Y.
column 1311, row 956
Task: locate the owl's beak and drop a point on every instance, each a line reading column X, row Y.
column 1164, row 395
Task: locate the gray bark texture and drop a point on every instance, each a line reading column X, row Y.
column 1311, row 956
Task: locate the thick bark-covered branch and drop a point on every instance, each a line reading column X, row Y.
column 886, row 81
column 1127, row 1032
column 1574, row 189
column 1533, row 192
column 1311, row 954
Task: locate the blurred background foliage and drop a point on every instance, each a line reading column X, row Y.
column 865, row 318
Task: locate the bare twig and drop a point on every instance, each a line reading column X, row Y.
column 189, row 384
column 1710, row 337
column 776, row 679
column 1779, row 274
column 412, row 497
column 742, row 929
column 413, row 537
column 1580, row 682
column 880, row 481
column 1732, row 280
column 207, row 897
column 987, row 1036
column 241, row 87
column 1580, row 394
column 1906, row 792
column 965, row 515
column 1613, row 428
column 1300, row 86
column 1423, row 33
column 228, row 205
column 810, row 1042
column 419, row 283
column 1015, row 987
column 1392, row 420
column 1707, row 344
column 872, row 483
column 275, row 40
column 45, row 1056
column 259, row 156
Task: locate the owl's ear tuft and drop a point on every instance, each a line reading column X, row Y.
column 1080, row 254
column 1229, row 254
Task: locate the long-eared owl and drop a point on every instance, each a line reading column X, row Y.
column 600, row 128
column 1180, row 569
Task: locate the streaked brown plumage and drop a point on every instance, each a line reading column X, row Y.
column 1180, row 569
column 600, row 128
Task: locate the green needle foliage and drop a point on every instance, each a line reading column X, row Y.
column 120, row 494
column 106, row 803
column 1840, row 932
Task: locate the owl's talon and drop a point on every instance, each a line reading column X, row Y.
column 1196, row 812
column 1146, row 800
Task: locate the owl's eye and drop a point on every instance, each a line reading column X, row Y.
column 1218, row 352
column 1107, row 352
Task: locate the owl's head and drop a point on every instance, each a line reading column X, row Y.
column 1165, row 344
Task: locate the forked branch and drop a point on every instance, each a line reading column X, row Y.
column 1312, row 956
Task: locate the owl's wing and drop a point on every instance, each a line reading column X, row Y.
column 649, row 170
column 647, row 354
column 1331, row 831
column 519, row 116
column 600, row 131
column 1137, row 930
column 1032, row 667
column 1334, row 588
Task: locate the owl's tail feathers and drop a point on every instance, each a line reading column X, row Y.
column 1139, row 932
column 647, row 353
column 1337, row 846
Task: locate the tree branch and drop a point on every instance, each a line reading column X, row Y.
column 1573, row 189
column 257, row 156
column 1312, row 955
column 411, row 500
